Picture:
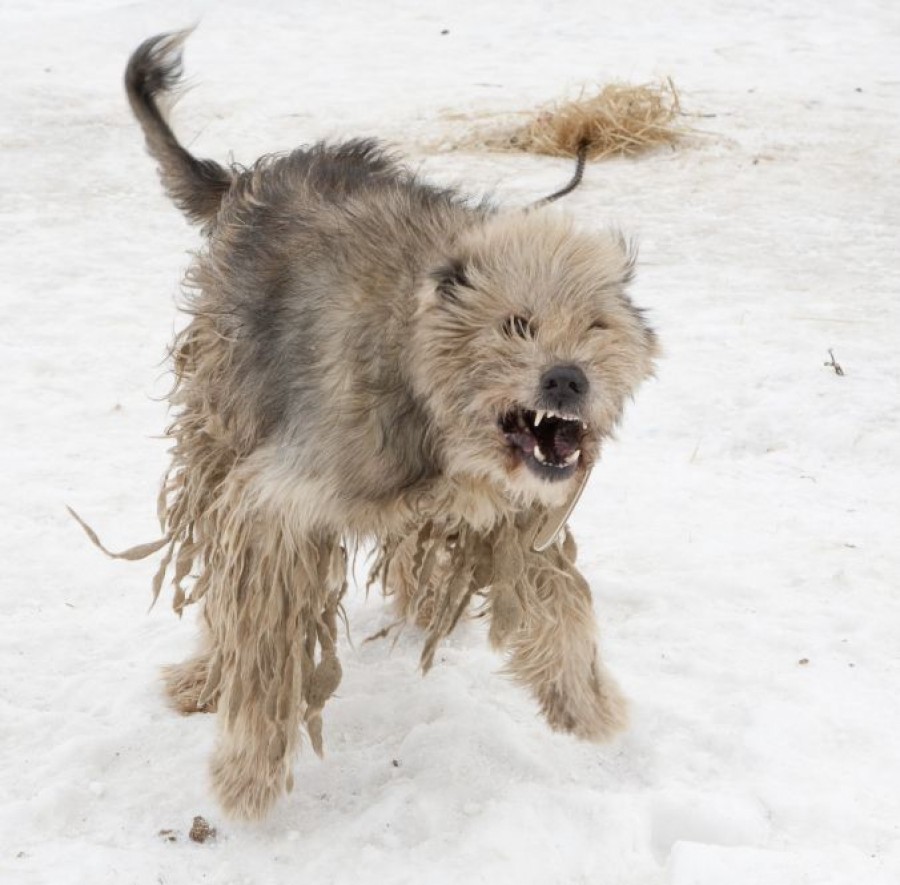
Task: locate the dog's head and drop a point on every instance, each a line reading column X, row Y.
column 525, row 348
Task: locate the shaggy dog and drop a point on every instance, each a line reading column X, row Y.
column 373, row 358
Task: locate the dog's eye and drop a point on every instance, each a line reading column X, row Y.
column 518, row 327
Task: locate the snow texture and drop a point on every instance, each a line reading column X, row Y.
column 740, row 537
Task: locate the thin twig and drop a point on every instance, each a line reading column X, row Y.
column 834, row 363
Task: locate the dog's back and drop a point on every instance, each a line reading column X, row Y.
column 315, row 259
column 303, row 295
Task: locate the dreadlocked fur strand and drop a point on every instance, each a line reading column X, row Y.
column 372, row 358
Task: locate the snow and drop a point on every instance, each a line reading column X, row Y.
column 740, row 537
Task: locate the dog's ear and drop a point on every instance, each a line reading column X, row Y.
column 450, row 278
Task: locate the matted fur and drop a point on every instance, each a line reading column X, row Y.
column 357, row 340
column 538, row 605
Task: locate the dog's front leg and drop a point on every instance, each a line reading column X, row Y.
column 272, row 617
column 546, row 624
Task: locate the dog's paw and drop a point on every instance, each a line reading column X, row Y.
column 247, row 786
column 595, row 710
column 184, row 684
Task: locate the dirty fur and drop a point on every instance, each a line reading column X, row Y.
column 365, row 360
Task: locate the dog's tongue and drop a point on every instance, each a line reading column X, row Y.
column 564, row 441
column 523, row 439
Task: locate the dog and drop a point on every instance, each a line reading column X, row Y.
column 370, row 358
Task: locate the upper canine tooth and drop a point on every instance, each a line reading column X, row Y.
column 571, row 459
column 538, row 417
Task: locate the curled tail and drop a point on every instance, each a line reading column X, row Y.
column 195, row 186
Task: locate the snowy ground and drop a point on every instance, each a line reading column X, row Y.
column 741, row 537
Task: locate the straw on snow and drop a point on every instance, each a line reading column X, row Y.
column 619, row 120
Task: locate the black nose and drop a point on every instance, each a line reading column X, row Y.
column 563, row 387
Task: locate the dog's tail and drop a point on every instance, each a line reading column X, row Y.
column 195, row 186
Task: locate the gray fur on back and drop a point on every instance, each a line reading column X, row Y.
column 314, row 260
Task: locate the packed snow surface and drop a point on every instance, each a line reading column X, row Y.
column 740, row 537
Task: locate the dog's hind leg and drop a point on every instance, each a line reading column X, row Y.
column 546, row 625
column 185, row 682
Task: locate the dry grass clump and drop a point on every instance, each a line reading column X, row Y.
column 619, row 120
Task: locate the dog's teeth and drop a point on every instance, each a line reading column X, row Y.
column 573, row 457
column 551, row 414
column 584, row 425
column 539, row 455
column 538, row 417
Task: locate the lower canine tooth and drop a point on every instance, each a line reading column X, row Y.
column 573, row 457
column 539, row 455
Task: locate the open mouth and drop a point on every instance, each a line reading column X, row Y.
column 548, row 443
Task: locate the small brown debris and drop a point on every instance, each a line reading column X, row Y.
column 201, row 830
column 168, row 835
column 803, row 662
